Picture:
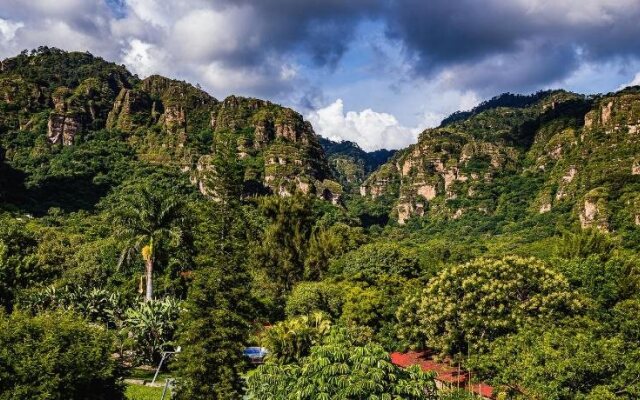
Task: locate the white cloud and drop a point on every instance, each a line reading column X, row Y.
column 8, row 29
column 371, row 130
column 144, row 58
column 634, row 82
column 207, row 34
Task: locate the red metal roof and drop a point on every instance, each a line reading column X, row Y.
column 444, row 372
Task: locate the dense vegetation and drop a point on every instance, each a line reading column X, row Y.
column 148, row 231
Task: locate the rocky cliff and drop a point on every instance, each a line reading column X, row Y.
column 63, row 96
column 555, row 152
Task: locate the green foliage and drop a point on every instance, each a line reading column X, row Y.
column 328, row 244
column 96, row 305
column 56, row 356
column 466, row 307
column 340, row 369
column 624, row 320
column 278, row 259
column 18, row 269
column 215, row 327
column 152, row 325
column 374, row 260
column 309, row 297
column 212, row 334
column 51, row 67
column 605, row 281
column 364, row 306
column 148, row 219
column 586, row 243
column 292, row 339
column 563, row 362
column 226, row 175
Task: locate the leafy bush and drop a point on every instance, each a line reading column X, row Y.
column 56, row 356
column 373, row 260
column 569, row 361
column 340, row 369
column 153, row 324
column 292, row 339
column 468, row 306
column 96, row 305
column 309, row 297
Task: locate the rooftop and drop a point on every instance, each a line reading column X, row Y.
column 445, row 373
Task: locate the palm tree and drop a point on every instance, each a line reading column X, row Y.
column 148, row 220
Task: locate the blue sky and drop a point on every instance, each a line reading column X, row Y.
column 373, row 71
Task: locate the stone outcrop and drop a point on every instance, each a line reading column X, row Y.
column 63, row 129
column 131, row 110
column 407, row 209
column 291, row 156
column 544, row 208
column 615, row 113
column 594, row 211
column 443, row 162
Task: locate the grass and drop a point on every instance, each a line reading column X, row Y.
column 139, row 392
column 146, row 374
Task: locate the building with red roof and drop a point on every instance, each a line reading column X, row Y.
column 447, row 377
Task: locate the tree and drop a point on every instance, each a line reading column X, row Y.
column 56, row 356
column 585, row 243
column 18, row 268
column 213, row 332
column 338, row 368
column 291, row 339
column 371, row 261
column 466, row 307
column 148, row 219
column 214, row 328
column 225, row 174
column 278, row 260
column 605, row 281
column 309, row 297
column 326, row 244
column 569, row 361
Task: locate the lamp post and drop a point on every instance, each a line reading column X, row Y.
column 164, row 355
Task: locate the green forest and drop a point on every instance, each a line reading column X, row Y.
column 142, row 216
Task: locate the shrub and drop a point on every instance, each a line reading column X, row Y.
column 56, row 356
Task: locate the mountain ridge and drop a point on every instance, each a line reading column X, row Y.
column 65, row 95
column 581, row 150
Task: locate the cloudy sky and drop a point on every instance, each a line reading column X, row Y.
column 373, row 71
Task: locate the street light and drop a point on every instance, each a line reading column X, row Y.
column 164, row 355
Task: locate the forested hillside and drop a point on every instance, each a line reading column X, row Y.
column 139, row 215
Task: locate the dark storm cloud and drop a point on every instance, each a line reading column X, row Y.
column 322, row 29
column 516, row 44
column 481, row 45
column 484, row 45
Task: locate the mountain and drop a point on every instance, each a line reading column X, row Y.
column 551, row 157
column 350, row 164
column 51, row 99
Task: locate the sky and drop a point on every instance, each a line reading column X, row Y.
column 376, row 72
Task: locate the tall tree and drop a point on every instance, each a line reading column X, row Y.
column 215, row 325
column 148, row 219
column 278, row 260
